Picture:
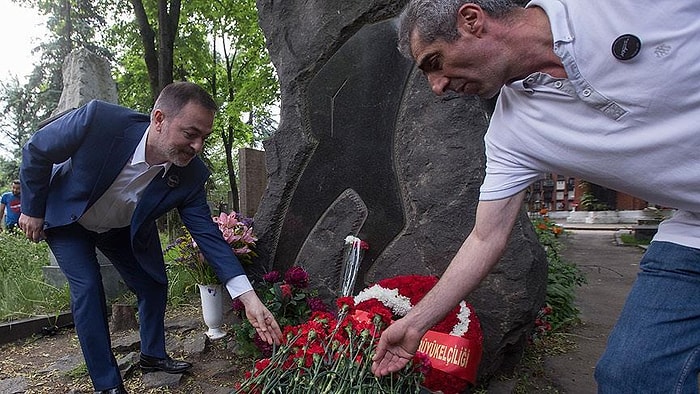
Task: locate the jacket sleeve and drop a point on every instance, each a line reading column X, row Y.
column 52, row 144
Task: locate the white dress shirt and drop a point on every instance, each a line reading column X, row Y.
column 115, row 208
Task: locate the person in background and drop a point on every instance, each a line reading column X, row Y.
column 100, row 176
column 10, row 206
column 606, row 91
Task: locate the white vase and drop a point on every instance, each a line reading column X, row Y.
column 212, row 310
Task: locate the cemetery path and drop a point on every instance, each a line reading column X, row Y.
column 43, row 365
column 610, row 271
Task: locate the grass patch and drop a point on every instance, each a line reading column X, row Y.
column 23, row 292
column 80, row 371
column 531, row 375
column 551, row 336
column 631, row 240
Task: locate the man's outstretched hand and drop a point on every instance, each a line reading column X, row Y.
column 261, row 318
column 396, row 348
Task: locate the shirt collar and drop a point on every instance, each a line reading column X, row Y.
column 139, row 156
column 558, row 19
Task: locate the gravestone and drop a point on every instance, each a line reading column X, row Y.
column 365, row 148
column 252, row 174
column 86, row 76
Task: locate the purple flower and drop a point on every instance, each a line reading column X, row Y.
column 238, row 305
column 297, row 277
column 264, row 347
column 316, row 304
column 272, row 277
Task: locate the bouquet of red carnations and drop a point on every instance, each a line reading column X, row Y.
column 332, row 354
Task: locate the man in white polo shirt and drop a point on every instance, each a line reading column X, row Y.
column 607, row 91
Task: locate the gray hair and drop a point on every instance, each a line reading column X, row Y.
column 437, row 19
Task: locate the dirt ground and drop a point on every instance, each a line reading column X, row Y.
column 47, row 363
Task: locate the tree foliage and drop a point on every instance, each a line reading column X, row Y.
column 218, row 45
column 247, row 85
column 71, row 24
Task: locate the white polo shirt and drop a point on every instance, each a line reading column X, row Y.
column 631, row 125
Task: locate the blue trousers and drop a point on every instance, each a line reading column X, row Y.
column 74, row 248
column 655, row 345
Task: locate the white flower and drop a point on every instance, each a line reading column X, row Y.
column 351, row 239
column 462, row 320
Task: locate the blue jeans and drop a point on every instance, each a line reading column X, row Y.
column 655, row 345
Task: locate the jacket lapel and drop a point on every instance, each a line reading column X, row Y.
column 160, row 187
column 120, row 151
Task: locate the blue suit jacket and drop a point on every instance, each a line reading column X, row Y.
column 69, row 163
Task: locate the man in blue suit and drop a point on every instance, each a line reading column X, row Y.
column 100, row 176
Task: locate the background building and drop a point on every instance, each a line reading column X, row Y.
column 562, row 193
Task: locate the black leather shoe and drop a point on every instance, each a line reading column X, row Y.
column 151, row 364
column 117, row 390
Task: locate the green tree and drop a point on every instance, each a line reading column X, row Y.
column 158, row 43
column 216, row 44
column 245, row 82
column 19, row 103
column 71, row 24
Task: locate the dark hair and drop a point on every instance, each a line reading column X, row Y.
column 178, row 94
column 437, row 19
column 15, row 182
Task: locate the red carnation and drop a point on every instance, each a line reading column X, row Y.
column 238, row 305
column 262, row 364
column 286, row 291
column 345, row 304
column 422, row 363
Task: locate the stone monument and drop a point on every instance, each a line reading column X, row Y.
column 365, row 148
column 86, row 76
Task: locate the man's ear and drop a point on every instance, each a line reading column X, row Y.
column 470, row 19
column 157, row 118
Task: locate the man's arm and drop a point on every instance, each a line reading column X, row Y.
column 196, row 216
column 476, row 257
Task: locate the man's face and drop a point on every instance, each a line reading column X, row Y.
column 15, row 189
column 179, row 137
column 464, row 66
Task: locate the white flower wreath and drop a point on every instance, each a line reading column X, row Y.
column 400, row 305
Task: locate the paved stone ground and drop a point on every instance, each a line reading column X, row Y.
column 610, row 270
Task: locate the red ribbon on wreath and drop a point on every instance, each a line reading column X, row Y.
column 454, row 345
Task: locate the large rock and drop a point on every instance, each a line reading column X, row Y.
column 364, row 147
column 86, row 76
